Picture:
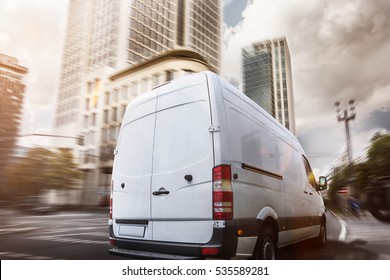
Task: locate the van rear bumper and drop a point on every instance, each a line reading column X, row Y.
column 223, row 244
column 134, row 254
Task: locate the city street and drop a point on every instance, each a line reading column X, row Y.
column 349, row 238
column 82, row 235
column 71, row 235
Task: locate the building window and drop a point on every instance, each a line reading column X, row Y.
column 115, row 96
column 155, row 80
column 87, row 104
column 168, row 75
column 124, row 92
column 94, row 119
column 104, row 135
column 85, row 121
column 107, row 98
column 113, row 133
column 105, row 117
column 114, row 114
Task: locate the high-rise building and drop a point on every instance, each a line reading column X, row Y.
column 92, row 40
column 268, row 80
column 122, row 33
column 167, row 24
column 11, row 104
column 104, row 37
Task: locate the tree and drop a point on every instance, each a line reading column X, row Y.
column 379, row 155
column 362, row 175
column 41, row 170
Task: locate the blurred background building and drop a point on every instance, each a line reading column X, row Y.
column 161, row 40
column 267, row 77
column 12, row 91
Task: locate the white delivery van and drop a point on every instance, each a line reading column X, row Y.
column 200, row 170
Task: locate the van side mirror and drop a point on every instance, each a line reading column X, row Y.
column 323, row 183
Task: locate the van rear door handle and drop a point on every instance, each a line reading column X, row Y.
column 161, row 191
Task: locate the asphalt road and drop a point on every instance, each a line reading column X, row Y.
column 72, row 235
column 83, row 235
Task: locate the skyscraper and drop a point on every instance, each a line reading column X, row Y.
column 92, row 41
column 268, row 80
column 11, row 103
column 117, row 34
column 161, row 25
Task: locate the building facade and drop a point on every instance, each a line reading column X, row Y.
column 157, row 26
column 267, row 79
column 104, row 37
column 12, row 91
column 92, row 41
column 117, row 34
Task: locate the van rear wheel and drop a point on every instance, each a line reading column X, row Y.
column 266, row 245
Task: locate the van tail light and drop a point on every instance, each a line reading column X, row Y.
column 210, row 251
column 222, row 193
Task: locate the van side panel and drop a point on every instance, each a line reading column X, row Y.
column 267, row 162
column 290, row 165
column 254, row 159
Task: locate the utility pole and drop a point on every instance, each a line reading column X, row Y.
column 347, row 118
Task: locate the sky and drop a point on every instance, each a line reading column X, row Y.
column 339, row 51
column 33, row 32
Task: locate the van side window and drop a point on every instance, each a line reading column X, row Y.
column 309, row 173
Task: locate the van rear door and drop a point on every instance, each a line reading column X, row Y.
column 132, row 171
column 183, row 159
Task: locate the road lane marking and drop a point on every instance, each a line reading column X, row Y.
column 343, row 231
column 17, row 230
column 67, row 240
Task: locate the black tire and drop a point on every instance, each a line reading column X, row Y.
column 266, row 245
column 320, row 240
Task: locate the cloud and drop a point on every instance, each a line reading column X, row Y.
column 339, row 51
column 35, row 31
